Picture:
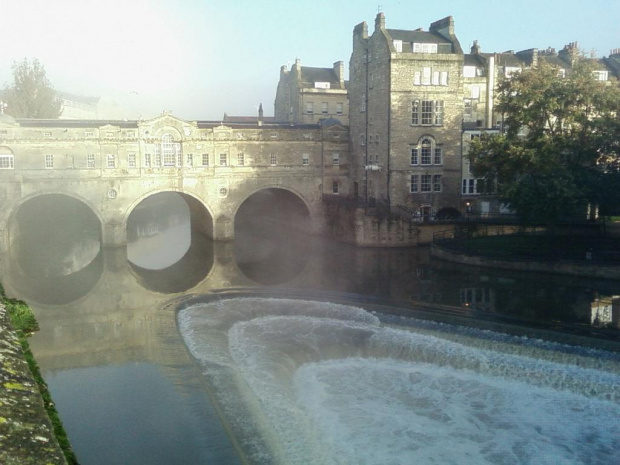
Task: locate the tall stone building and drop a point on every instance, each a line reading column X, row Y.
column 406, row 110
column 307, row 95
column 416, row 101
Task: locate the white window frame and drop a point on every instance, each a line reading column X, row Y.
column 336, row 159
column 339, row 108
column 131, row 160
column 7, row 161
column 190, row 159
column 305, row 159
column 241, row 158
column 469, row 71
column 437, row 181
column 426, row 183
column 325, row 108
column 414, row 186
column 205, row 159
column 49, row 161
column 398, row 45
column 273, row 159
column 90, row 160
column 147, row 160
column 335, row 187
column 110, row 161
column 310, row 108
column 424, row 48
column 223, row 159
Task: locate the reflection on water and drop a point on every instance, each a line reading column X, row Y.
column 158, row 231
column 54, row 235
column 271, row 241
column 110, row 317
column 321, row 383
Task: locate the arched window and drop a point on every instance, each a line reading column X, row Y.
column 7, row 159
column 426, row 152
column 168, row 152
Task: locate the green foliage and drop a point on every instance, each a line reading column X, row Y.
column 561, row 143
column 23, row 321
column 31, row 95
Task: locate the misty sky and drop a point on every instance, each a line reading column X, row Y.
column 201, row 58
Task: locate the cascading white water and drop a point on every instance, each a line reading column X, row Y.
column 319, row 383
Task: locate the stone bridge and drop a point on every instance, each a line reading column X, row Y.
column 112, row 166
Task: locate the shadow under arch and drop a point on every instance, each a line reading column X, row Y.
column 271, row 235
column 169, row 249
column 55, row 248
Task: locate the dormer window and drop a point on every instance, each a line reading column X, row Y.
column 398, row 45
column 600, row 75
column 321, row 85
column 424, row 48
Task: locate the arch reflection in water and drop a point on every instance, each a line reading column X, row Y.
column 159, row 231
column 163, row 251
column 188, row 271
column 54, row 290
column 271, row 240
column 55, row 249
column 319, row 383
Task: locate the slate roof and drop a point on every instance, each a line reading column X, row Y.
column 554, row 60
column 73, row 123
column 310, row 75
column 421, row 37
column 247, row 119
column 473, row 60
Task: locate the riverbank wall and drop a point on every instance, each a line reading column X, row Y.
column 26, row 433
column 356, row 226
column 565, row 267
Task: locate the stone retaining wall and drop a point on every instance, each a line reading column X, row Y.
column 560, row 267
column 26, row 435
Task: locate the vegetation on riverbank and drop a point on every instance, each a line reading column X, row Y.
column 542, row 247
column 24, row 323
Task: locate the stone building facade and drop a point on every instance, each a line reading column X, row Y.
column 113, row 165
column 307, row 95
column 406, row 111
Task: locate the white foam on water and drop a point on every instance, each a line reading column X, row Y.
column 327, row 384
column 376, row 411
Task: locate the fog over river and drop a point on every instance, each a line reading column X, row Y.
column 287, row 348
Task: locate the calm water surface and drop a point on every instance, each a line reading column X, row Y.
column 129, row 390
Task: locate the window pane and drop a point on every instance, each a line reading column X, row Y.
column 439, row 112
column 437, row 160
column 425, row 183
column 6, row 162
column 414, row 183
column 437, row 183
column 415, row 109
column 414, row 156
column 427, row 111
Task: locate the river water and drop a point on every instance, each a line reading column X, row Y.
column 289, row 348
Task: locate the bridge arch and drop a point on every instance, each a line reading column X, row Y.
column 275, row 186
column 12, row 210
column 197, row 206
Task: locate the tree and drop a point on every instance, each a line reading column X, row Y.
column 31, row 95
column 560, row 144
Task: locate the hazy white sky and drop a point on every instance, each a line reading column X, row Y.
column 201, row 58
